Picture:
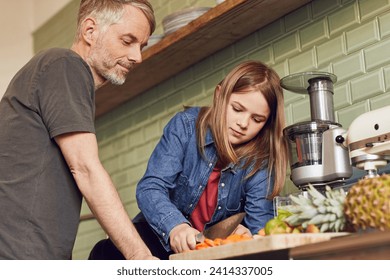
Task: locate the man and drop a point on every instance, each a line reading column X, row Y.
column 48, row 149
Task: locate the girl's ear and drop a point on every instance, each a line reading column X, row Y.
column 218, row 97
column 217, row 90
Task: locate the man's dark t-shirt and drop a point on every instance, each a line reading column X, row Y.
column 40, row 203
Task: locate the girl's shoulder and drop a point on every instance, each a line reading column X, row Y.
column 192, row 111
column 184, row 121
column 188, row 115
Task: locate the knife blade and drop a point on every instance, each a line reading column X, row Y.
column 221, row 229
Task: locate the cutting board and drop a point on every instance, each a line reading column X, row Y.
column 256, row 245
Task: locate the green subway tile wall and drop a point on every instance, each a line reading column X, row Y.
column 350, row 38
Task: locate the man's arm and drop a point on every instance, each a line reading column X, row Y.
column 80, row 151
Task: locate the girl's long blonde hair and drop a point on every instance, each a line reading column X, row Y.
column 269, row 146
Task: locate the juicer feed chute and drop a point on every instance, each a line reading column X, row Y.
column 316, row 157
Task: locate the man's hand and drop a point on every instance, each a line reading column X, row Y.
column 80, row 151
column 182, row 238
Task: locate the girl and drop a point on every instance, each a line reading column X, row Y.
column 213, row 162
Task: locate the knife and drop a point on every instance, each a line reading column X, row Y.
column 221, row 229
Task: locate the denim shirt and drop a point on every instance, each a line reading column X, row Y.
column 177, row 174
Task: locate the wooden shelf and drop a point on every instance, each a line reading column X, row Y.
column 219, row 27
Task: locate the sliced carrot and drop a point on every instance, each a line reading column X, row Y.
column 202, row 245
column 217, row 241
column 233, row 238
column 209, row 242
column 227, row 241
column 237, row 237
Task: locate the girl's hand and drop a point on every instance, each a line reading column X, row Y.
column 182, row 238
column 241, row 230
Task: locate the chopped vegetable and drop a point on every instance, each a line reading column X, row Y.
column 233, row 238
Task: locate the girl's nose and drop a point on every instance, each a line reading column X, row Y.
column 243, row 122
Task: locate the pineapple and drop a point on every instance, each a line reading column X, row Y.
column 367, row 205
column 324, row 211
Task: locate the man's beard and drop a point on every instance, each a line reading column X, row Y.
column 106, row 66
column 116, row 77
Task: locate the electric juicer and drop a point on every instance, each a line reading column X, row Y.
column 316, row 151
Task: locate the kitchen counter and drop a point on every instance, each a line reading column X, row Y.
column 358, row 246
column 321, row 246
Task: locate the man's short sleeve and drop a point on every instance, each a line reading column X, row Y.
column 66, row 96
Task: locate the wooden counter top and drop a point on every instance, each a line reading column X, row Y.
column 358, row 246
column 217, row 28
column 321, row 246
column 259, row 245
